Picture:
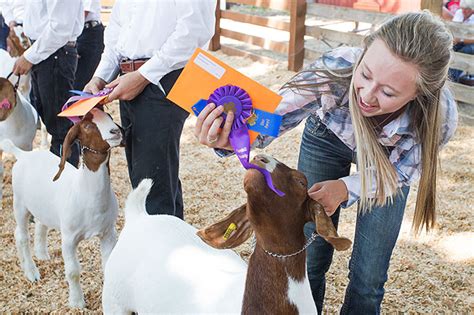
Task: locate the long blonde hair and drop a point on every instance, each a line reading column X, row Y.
column 422, row 40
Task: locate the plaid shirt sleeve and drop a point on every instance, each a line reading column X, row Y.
column 406, row 154
column 297, row 105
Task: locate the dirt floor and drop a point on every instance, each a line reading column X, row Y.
column 430, row 274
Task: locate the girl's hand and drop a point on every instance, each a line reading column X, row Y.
column 208, row 131
column 330, row 194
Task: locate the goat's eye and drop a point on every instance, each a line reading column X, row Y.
column 301, row 182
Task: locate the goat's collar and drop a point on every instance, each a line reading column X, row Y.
column 283, row 256
column 94, row 151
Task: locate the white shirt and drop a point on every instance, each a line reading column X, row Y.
column 166, row 31
column 51, row 23
column 459, row 17
column 93, row 7
column 12, row 10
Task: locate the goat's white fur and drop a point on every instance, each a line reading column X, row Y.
column 160, row 265
column 81, row 204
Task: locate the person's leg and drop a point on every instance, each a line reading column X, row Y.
column 467, row 49
column 90, row 46
column 126, row 118
column 52, row 80
column 322, row 157
column 375, row 237
column 4, row 31
column 154, row 135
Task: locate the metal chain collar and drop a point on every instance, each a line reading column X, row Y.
column 308, row 242
column 93, row 151
column 83, row 147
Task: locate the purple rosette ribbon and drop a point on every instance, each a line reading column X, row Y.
column 237, row 100
column 82, row 96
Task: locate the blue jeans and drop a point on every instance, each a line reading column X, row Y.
column 455, row 74
column 324, row 157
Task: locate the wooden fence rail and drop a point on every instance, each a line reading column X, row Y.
column 295, row 48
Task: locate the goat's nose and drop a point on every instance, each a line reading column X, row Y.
column 262, row 159
column 115, row 131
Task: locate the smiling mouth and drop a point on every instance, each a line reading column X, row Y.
column 366, row 107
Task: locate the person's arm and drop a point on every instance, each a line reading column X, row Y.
column 108, row 67
column 57, row 32
column 194, row 28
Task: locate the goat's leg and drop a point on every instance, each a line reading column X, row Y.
column 1, row 179
column 41, row 241
column 72, row 270
column 22, row 241
column 44, row 144
column 107, row 243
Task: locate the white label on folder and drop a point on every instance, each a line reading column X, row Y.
column 208, row 65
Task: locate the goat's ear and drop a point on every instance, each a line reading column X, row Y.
column 229, row 232
column 68, row 141
column 325, row 228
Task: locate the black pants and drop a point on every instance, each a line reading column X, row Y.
column 90, row 46
column 4, row 31
column 51, row 81
column 153, row 127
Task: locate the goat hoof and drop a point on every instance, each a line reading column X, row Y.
column 33, row 274
column 42, row 255
column 77, row 302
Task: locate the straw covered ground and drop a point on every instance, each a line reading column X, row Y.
column 429, row 274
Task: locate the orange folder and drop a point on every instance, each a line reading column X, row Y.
column 204, row 73
column 82, row 107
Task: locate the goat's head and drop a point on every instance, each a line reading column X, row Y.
column 7, row 98
column 97, row 134
column 267, row 213
column 17, row 42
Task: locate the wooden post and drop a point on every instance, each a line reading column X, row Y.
column 297, row 31
column 215, row 43
column 435, row 6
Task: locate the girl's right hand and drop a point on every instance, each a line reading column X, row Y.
column 208, row 131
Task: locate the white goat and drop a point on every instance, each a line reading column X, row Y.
column 159, row 265
column 18, row 118
column 80, row 202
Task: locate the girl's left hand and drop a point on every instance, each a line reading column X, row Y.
column 330, row 194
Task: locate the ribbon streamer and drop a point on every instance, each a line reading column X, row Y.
column 81, row 95
column 235, row 99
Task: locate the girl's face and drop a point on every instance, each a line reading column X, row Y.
column 383, row 82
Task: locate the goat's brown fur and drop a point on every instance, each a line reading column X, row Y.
column 89, row 136
column 16, row 45
column 7, row 90
column 278, row 224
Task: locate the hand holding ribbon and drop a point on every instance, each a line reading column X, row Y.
column 236, row 100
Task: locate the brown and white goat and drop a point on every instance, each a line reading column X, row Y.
column 277, row 281
column 78, row 202
column 17, row 120
column 180, row 274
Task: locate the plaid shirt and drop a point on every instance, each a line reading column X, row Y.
column 332, row 108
